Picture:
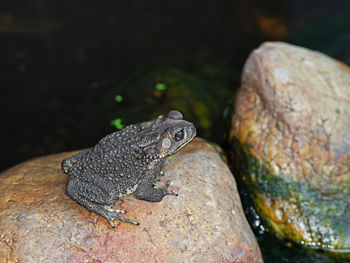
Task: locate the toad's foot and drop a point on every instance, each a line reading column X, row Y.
column 96, row 199
column 111, row 214
column 149, row 192
column 161, row 174
column 168, row 192
column 165, row 190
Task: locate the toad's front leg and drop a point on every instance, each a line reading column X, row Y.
column 148, row 192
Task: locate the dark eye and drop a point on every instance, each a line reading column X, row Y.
column 179, row 135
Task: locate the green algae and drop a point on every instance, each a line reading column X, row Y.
column 312, row 216
column 160, row 86
column 118, row 98
column 117, row 123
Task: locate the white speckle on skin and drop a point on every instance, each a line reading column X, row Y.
column 282, row 75
column 132, row 189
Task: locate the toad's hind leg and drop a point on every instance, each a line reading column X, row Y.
column 96, row 200
column 69, row 162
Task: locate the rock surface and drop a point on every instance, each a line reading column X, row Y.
column 290, row 137
column 205, row 223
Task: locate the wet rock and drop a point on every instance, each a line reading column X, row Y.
column 205, row 223
column 290, row 139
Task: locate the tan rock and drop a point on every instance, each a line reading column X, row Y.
column 205, row 223
column 291, row 140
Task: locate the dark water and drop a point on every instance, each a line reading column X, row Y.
column 61, row 60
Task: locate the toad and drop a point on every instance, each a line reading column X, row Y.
column 124, row 162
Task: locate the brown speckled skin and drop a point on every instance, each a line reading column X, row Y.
column 124, row 162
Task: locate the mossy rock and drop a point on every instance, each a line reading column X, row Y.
column 291, row 146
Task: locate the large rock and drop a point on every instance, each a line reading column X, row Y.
column 205, row 223
column 291, row 142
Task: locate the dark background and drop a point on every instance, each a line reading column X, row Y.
column 59, row 60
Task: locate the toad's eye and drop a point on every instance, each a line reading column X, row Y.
column 179, row 135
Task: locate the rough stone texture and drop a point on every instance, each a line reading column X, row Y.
column 290, row 137
column 205, row 223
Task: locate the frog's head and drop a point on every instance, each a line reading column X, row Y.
column 176, row 133
column 169, row 134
